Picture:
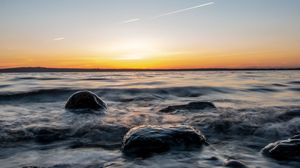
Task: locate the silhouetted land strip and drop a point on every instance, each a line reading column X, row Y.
column 43, row 69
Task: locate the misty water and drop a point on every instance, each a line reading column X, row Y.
column 36, row 130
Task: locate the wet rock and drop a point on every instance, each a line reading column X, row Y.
column 85, row 100
column 213, row 158
column 284, row 149
column 189, row 106
column 289, row 115
column 234, row 164
column 143, row 141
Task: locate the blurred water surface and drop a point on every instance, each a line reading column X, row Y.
column 252, row 108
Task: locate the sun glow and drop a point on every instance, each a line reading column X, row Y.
column 133, row 50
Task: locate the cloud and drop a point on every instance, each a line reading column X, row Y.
column 183, row 10
column 58, row 38
column 130, row 20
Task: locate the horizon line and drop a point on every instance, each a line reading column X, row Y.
column 49, row 69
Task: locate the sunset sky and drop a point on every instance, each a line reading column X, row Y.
column 150, row 33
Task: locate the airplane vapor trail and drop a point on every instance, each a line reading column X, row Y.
column 169, row 13
column 130, row 20
column 183, row 10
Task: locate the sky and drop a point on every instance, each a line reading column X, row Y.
column 150, row 33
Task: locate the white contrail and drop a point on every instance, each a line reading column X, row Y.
column 168, row 13
column 130, row 21
column 183, row 10
column 58, row 38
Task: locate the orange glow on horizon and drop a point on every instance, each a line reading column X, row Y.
column 163, row 61
column 151, row 54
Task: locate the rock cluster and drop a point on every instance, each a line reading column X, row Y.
column 145, row 140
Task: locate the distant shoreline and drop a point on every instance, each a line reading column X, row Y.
column 43, row 69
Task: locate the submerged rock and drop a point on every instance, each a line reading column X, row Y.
column 189, row 106
column 85, row 100
column 48, row 134
column 284, row 149
column 234, row 164
column 107, row 136
column 289, row 115
column 146, row 140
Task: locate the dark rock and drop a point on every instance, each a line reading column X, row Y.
column 85, row 100
column 234, row 164
column 213, row 158
column 189, row 106
column 145, row 140
column 289, row 115
column 284, row 149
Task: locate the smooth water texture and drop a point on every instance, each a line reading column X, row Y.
column 252, row 111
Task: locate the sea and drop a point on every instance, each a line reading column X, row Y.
column 252, row 111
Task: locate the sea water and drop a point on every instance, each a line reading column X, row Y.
column 252, row 108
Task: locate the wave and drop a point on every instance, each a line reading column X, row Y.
column 295, row 82
column 97, row 79
column 141, row 84
column 9, row 96
column 215, row 124
column 36, row 78
column 262, row 89
column 283, row 122
column 87, row 135
column 116, row 92
column 295, row 89
column 4, row 86
column 279, row 85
